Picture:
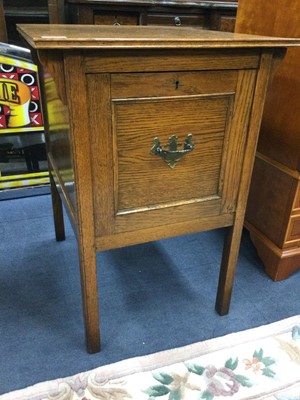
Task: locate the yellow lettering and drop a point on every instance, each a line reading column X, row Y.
column 16, row 95
column 2, row 96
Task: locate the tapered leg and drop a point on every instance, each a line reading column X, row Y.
column 89, row 290
column 228, row 267
column 87, row 257
column 57, row 211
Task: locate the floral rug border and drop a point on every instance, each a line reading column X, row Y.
column 260, row 363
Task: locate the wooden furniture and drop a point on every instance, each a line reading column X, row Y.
column 56, row 9
column 23, row 11
column 151, row 134
column 3, row 32
column 216, row 15
column 273, row 211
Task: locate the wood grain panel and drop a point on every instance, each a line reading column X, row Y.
column 171, row 215
column 131, row 61
column 172, row 83
column 145, row 179
column 101, row 152
column 163, row 231
column 165, row 38
column 238, row 136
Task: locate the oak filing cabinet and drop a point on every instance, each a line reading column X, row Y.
column 151, row 134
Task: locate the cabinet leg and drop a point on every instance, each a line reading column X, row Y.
column 89, row 288
column 228, row 267
column 57, row 212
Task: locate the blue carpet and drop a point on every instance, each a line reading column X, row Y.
column 153, row 297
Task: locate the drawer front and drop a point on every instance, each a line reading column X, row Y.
column 227, row 23
column 116, row 18
column 135, row 186
column 296, row 205
column 220, row 21
column 198, row 20
column 293, row 233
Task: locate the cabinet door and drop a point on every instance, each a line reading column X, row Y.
column 136, row 189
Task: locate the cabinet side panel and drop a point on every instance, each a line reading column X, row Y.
column 57, row 127
column 235, row 151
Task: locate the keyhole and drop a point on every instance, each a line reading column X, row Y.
column 177, row 85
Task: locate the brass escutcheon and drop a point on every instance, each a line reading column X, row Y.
column 174, row 153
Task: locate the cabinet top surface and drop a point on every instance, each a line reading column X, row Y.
column 48, row 36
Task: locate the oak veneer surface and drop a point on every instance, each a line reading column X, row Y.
column 92, row 36
column 112, row 94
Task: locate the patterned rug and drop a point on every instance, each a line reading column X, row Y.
column 261, row 363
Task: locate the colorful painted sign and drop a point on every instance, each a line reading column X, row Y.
column 20, row 107
column 20, row 117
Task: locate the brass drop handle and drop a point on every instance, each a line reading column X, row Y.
column 177, row 21
column 175, row 151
